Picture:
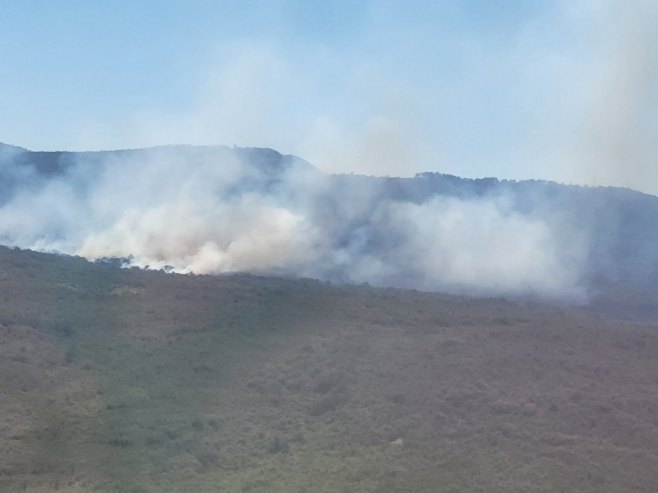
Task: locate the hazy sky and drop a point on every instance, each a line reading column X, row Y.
column 560, row 89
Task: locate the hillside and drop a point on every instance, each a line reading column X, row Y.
column 124, row 380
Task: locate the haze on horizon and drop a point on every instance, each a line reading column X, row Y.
column 560, row 90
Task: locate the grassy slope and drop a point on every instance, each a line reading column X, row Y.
column 130, row 381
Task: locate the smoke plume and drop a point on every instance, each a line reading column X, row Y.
column 214, row 210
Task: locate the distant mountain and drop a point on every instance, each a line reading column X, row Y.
column 53, row 163
column 6, row 148
column 257, row 210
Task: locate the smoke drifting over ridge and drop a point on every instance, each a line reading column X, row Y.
column 214, row 210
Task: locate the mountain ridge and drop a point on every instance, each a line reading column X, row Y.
column 269, row 150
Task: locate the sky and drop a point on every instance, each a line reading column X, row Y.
column 564, row 90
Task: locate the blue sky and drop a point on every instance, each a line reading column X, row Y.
column 562, row 90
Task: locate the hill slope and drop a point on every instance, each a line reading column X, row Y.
column 137, row 381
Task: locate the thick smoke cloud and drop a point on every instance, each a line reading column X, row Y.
column 474, row 245
column 216, row 210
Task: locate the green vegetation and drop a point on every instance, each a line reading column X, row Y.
column 131, row 381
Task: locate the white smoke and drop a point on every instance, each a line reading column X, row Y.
column 248, row 234
column 473, row 245
column 210, row 211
